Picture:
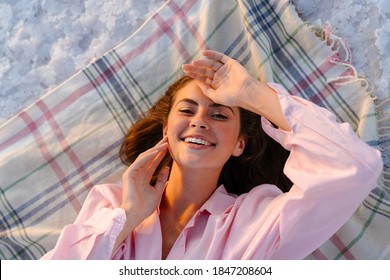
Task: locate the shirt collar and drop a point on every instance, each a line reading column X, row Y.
column 219, row 201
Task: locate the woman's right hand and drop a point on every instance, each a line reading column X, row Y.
column 140, row 199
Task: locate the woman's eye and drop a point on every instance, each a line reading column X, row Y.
column 219, row 116
column 186, row 111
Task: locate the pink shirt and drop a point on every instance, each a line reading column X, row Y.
column 332, row 171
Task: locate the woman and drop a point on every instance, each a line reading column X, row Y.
column 207, row 140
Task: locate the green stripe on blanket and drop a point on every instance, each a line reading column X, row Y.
column 52, row 153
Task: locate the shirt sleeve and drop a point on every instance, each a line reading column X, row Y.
column 332, row 171
column 96, row 228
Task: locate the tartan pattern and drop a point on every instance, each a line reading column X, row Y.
column 53, row 152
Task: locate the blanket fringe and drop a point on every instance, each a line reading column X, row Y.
column 384, row 102
column 383, row 120
column 386, row 181
column 343, row 57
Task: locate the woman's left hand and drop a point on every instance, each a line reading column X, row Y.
column 222, row 79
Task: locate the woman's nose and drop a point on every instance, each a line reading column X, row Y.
column 199, row 122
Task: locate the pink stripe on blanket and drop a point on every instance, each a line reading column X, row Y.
column 201, row 42
column 341, row 247
column 154, row 37
column 319, row 255
column 309, row 79
column 62, row 105
column 31, row 125
column 172, row 35
column 64, row 144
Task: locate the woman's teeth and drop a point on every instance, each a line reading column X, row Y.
column 198, row 141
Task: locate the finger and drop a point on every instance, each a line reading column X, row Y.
column 159, row 145
column 198, row 77
column 144, row 159
column 141, row 162
column 206, row 89
column 200, row 73
column 162, row 179
column 208, row 63
column 216, row 56
column 208, row 81
column 163, row 140
column 155, row 162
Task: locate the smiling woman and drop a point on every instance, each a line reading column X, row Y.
column 220, row 147
column 263, row 158
column 194, row 116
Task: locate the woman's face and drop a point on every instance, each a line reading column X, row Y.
column 201, row 133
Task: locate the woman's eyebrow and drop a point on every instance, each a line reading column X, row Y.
column 216, row 105
column 213, row 105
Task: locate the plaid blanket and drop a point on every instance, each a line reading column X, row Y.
column 53, row 152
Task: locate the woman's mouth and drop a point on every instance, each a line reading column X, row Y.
column 197, row 141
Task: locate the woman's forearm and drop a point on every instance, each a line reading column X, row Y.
column 263, row 100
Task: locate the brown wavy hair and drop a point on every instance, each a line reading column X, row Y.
column 262, row 161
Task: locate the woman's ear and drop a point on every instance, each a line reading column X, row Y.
column 165, row 128
column 240, row 147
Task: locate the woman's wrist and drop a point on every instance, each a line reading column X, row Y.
column 263, row 100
